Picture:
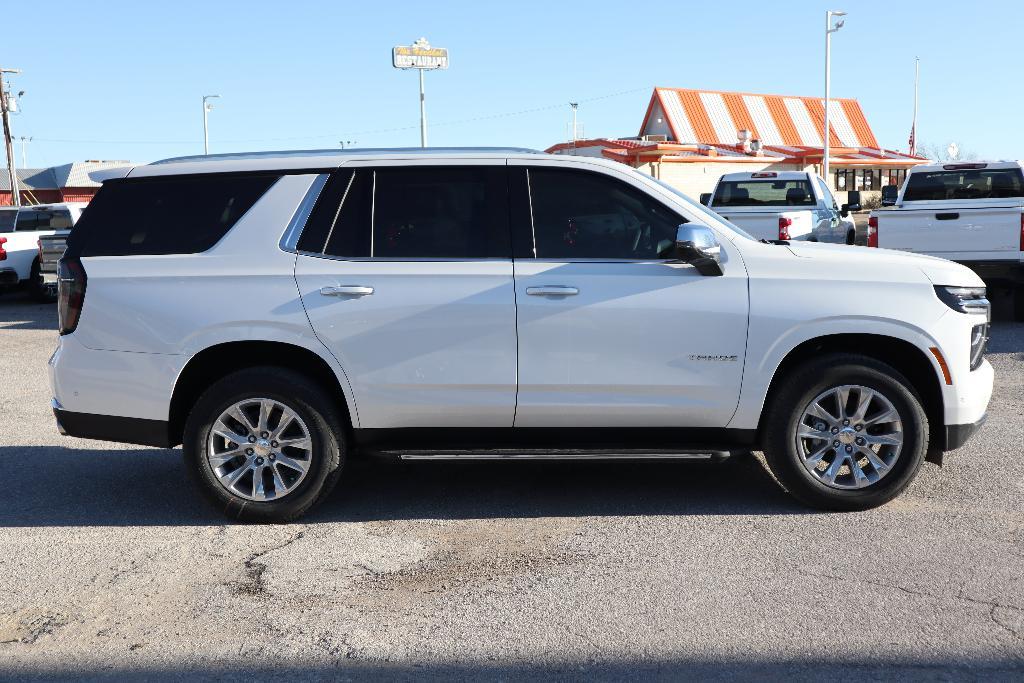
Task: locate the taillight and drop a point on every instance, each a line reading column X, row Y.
column 71, row 281
column 873, row 231
column 3, row 252
column 784, row 224
column 39, row 248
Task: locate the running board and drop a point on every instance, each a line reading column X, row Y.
column 555, row 454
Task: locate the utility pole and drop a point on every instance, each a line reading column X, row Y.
column 8, row 144
column 206, row 126
column 829, row 30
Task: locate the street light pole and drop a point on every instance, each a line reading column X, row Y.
column 206, row 126
column 829, row 30
column 423, row 113
column 8, row 142
column 24, row 140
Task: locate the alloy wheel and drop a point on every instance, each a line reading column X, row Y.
column 259, row 449
column 849, row 437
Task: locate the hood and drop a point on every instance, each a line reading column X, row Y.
column 938, row 271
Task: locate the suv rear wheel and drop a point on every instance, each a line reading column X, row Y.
column 265, row 444
column 845, row 432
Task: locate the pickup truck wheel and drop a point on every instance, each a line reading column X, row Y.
column 845, row 432
column 37, row 289
column 851, row 238
column 1018, row 304
column 265, row 444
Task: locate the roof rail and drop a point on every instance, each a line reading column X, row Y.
column 345, row 152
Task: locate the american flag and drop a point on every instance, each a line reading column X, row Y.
column 913, row 142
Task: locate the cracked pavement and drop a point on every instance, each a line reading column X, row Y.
column 112, row 566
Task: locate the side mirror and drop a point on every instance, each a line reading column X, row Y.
column 845, row 209
column 889, row 195
column 697, row 245
column 705, row 198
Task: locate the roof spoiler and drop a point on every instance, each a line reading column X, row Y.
column 103, row 174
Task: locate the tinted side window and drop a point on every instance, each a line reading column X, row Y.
column 577, row 214
column 412, row 212
column 441, row 212
column 28, row 219
column 339, row 224
column 174, row 215
column 7, row 220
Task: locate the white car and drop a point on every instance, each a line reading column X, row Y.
column 969, row 212
column 783, row 205
column 495, row 303
column 19, row 242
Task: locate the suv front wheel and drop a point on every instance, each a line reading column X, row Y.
column 265, row 444
column 845, row 432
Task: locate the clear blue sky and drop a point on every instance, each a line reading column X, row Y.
column 123, row 80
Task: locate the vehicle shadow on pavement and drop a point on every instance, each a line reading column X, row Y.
column 18, row 311
column 624, row 667
column 150, row 487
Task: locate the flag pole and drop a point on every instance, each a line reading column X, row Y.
column 913, row 126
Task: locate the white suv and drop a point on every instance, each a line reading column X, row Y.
column 277, row 312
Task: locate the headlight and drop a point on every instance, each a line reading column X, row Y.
column 965, row 299
column 979, row 340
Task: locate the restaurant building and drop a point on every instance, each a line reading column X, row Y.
column 690, row 138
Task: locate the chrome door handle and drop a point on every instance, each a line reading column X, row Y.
column 552, row 290
column 346, row 290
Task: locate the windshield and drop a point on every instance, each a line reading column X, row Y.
column 763, row 193
column 700, row 208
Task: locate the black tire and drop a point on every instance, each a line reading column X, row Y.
column 36, row 289
column 1018, row 304
column 804, row 384
column 311, row 403
column 851, row 238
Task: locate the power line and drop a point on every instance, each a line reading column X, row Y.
column 377, row 131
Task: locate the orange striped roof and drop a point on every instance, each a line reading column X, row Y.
column 715, row 117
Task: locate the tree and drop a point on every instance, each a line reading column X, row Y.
column 937, row 152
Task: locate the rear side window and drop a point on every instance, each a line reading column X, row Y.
column 763, row 193
column 7, row 220
column 173, row 215
column 43, row 219
column 964, row 184
column 421, row 212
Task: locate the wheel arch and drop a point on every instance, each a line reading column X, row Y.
column 220, row 360
column 902, row 355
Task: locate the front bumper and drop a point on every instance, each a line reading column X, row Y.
column 958, row 435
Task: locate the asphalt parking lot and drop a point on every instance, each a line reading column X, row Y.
column 111, row 566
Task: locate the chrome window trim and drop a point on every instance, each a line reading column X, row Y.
column 393, row 259
column 290, row 238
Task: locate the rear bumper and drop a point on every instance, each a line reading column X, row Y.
column 112, row 428
column 998, row 272
column 958, row 435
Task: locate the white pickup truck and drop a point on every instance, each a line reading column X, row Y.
column 968, row 212
column 783, row 205
column 19, row 243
